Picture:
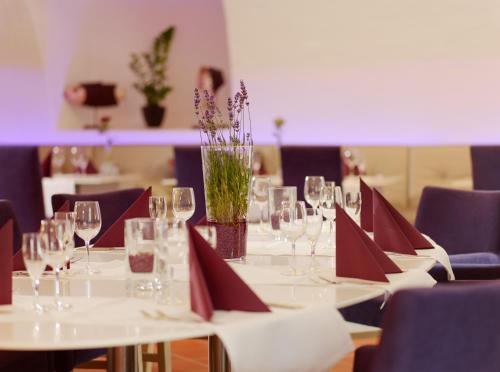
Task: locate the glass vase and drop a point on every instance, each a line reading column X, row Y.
column 227, row 172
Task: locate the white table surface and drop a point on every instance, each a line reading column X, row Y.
column 103, row 316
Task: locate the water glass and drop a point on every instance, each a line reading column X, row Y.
column 70, row 217
column 260, row 194
column 88, row 224
column 35, row 265
column 292, row 224
column 183, row 203
column 313, row 190
column 314, row 223
column 278, row 195
column 158, row 207
column 353, row 205
column 327, row 206
column 54, row 252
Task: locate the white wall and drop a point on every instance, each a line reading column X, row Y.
column 48, row 44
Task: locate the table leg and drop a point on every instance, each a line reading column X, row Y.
column 218, row 360
column 127, row 359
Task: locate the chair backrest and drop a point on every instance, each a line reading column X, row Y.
column 448, row 328
column 297, row 162
column 111, row 204
column 7, row 213
column 189, row 173
column 21, row 184
column 485, row 167
column 460, row 221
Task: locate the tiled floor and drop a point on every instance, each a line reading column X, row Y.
column 192, row 356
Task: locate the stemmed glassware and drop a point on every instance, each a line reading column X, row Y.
column 79, row 159
column 260, row 194
column 88, row 224
column 339, row 196
column 183, row 203
column 314, row 223
column 158, row 207
column 353, row 205
column 68, row 239
column 35, row 265
column 58, row 159
column 292, row 224
column 54, row 252
column 313, row 190
column 278, row 195
column 327, row 206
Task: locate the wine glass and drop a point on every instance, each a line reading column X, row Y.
column 183, row 203
column 35, row 265
column 88, row 225
column 79, row 159
column 260, row 193
column 327, row 206
column 58, row 159
column 313, row 189
column 69, row 241
column 292, row 224
column 353, row 205
column 54, row 252
column 158, row 207
column 314, row 223
column 339, row 196
column 278, row 195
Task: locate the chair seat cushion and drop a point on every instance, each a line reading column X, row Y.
column 487, row 258
column 364, row 357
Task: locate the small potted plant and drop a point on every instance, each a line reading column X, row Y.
column 226, row 149
column 150, row 69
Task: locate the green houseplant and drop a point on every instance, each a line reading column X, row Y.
column 150, row 70
column 226, row 149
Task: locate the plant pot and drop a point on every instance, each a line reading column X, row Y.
column 227, row 173
column 153, row 114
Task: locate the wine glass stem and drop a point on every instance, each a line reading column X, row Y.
column 294, row 257
column 36, row 289
column 58, row 288
column 331, row 232
column 87, row 248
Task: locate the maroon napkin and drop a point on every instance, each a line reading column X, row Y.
column 64, row 207
column 357, row 256
column 202, row 221
column 6, row 242
column 113, row 237
column 91, row 169
column 392, row 231
column 366, row 206
column 213, row 284
column 47, row 165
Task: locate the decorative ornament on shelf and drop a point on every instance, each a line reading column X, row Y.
column 278, row 126
column 150, row 69
column 227, row 149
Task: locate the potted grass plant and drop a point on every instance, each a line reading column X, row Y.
column 227, row 149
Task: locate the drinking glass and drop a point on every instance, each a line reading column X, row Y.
column 183, row 203
column 58, row 159
column 69, row 241
column 35, row 265
column 88, row 225
column 158, row 207
column 278, row 195
column 260, row 194
column 79, row 159
column 140, row 247
column 314, row 223
column 292, row 224
column 313, row 189
column 339, row 196
column 54, row 252
column 327, row 206
column 353, row 205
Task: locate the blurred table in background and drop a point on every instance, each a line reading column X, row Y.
column 84, row 184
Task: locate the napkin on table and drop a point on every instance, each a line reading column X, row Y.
column 6, row 242
column 114, row 236
column 366, row 206
column 213, row 284
column 357, row 255
column 392, row 231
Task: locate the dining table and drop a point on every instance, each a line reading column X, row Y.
column 103, row 313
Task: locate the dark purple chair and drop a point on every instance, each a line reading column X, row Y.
column 21, row 184
column 444, row 329
column 485, row 166
column 297, row 162
column 189, row 173
column 467, row 225
column 111, row 204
